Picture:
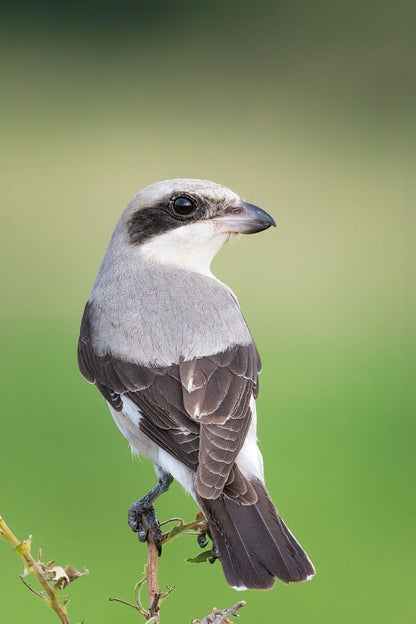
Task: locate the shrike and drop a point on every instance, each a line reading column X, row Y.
column 166, row 344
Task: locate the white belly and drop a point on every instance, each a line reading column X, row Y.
column 127, row 420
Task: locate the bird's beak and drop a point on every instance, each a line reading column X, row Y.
column 244, row 219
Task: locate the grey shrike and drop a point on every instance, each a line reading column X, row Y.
column 166, row 344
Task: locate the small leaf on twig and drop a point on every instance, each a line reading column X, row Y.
column 201, row 558
column 72, row 573
column 176, row 530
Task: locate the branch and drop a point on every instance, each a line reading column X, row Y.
column 52, row 578
column 153, row 590
column 221, row 617
column 155, row 596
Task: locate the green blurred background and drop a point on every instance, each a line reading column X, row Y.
column 304, row 108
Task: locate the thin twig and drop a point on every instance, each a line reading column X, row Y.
column 38, row 594
column 125, row 603
column 23, row 550
column 191, row 528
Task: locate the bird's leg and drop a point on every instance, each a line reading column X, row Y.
column 142, row 514
column 214, row 553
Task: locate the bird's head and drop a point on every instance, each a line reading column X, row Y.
column 184, row 222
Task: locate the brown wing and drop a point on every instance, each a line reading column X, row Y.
column 198, row 411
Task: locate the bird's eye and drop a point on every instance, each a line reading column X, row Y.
column 182, row 206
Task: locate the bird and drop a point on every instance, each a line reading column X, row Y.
column 166, row 344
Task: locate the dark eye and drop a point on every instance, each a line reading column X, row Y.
column 182, row 206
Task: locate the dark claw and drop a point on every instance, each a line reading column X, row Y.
column 141, row 532
column 133, row 519
column 202, row 539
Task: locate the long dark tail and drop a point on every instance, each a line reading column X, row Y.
column 253, row 542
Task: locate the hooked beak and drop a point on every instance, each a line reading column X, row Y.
column 244, row 219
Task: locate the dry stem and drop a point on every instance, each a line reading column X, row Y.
column 221, row 617
column 23, row 550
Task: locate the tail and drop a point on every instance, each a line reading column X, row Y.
column 253, row 542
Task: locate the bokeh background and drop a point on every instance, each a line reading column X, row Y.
column 304, row 108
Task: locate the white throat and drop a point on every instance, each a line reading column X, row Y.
column 190, row 247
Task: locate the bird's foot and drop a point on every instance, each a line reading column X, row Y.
column 142, row 517
column 202, row 538
column 144, row 522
